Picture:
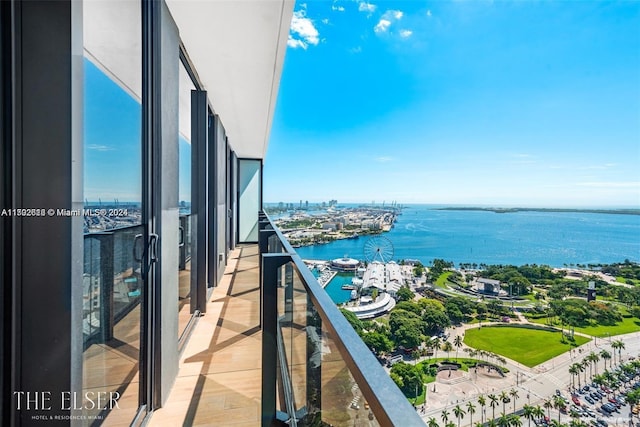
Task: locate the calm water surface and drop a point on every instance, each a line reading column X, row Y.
column 550, row 238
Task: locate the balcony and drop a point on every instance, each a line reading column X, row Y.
column 290, row 359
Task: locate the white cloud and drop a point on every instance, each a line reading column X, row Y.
column 405, row 33
column 303, row 32
column 337, row 8
column 356, row 49
column 366, row 7
column 295, row 43
column 325, row 21
column 382, row 26
column 429, row 13
column 387, row 19
column 97, row 147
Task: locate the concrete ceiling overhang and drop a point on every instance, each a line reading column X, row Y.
column 237, row 48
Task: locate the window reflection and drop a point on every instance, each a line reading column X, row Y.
column 112, row 284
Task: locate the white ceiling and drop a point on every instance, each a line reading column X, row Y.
column 237, row 48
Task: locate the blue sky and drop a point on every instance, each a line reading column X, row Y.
column 112, row 132
column 533, row 103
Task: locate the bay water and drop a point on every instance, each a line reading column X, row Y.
column 556, row 239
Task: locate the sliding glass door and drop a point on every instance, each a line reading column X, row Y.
column 113, row 285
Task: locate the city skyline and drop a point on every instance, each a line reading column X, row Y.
column 483, row 103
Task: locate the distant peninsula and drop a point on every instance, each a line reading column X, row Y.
column 512, row 210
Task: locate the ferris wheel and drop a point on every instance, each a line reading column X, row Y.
column 378, row 248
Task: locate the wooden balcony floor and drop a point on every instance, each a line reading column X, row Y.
column 219, row 376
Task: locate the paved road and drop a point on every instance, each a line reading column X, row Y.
column 533, row 384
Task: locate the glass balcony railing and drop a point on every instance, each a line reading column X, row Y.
column 111, row 281
column 321, row 371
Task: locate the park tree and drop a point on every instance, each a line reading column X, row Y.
column 438, row 266
column 353, row 320
column 448, row 347
column 404, row 294
column 411, row 306
column 418, row 269
column 457, row 342
column 407, row 337
column 431, row 304
column 435, row 321
column 378, row 342
column 406, row 328
column 408, row 378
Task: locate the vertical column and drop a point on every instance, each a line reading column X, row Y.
column 106, row 287
column 47, row 156
column 164, row 357
column 199, row 143
column 271, row 263
column 5, row 201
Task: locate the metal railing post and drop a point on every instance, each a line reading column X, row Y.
column 106, row 287
column 269, row 322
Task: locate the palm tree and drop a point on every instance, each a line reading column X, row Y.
column 574, row 370
column 515, row 421
column 605, row 355
column 493, row 403
column 482, row 401
column 548, row 404
column 435, row 344
column 492, row 423
column 432, row 422
column 504, row 397
column 558, row 403
column 618, row 345
column 580, row 369
column 471, row 409
column 599, row 380
column 503, row 421
column 450, row 424
column 595, row 358
column 514, row 395
column 459, row 413
column 538, row 412
column 447, row 346
column 457, row 341
column 444, row 416
column 527, row 412
column 585, row 363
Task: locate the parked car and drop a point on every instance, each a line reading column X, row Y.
column 589, row 399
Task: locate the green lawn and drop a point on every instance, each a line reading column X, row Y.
column 420, row 399
column 630, row 281
column 443, row 279
column 527, row 346
column 628, row 325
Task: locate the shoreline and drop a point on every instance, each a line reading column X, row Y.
column 547, row 210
